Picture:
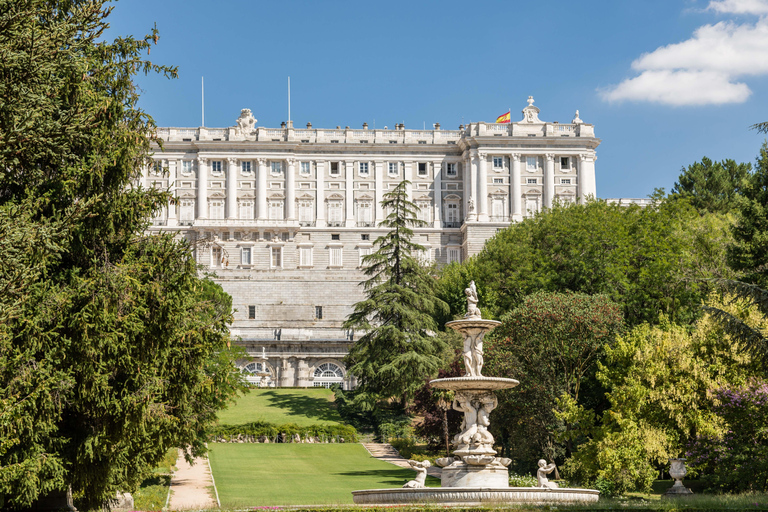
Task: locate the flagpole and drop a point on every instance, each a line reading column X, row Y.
column 202, row 99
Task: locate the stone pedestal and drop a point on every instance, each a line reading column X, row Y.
column 461, row 474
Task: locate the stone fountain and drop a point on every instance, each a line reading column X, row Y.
column 474, row 475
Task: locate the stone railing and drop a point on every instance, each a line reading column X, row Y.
column 349, row 136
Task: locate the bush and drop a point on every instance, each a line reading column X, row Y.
column 516, row 480
column 251, row 432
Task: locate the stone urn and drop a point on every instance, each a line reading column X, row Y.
column 677, row 470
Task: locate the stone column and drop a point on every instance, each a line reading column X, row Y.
column 586, row 176
column 438, row 196
column 466, row 176
column 320, row 196
column 349, row 168
column 232, row 188
column 549, row 180
column 482, row 188
column 287, row 374
column 290, row 190
column 202, row 187
column 408, row 175
column 261, row 189
column 379, row 192
column 473, row 192
column 516, row 188
column 303, row 374
column 173, row 168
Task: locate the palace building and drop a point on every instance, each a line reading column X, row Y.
column 283, row 216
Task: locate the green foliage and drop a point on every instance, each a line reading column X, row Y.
column 711, row 187
column 112, row 349
column 398, row 350
column 516, row 480
column 660, row 381
column 749, row 251
column 645, row 259
column 551, row 344
column 261, row 428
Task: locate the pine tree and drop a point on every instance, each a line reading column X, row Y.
column 399, row 349
column 112, row 348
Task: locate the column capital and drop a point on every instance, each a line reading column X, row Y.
column 232, row 160
column 481, row 155
column 291, row 161
column 550, row 157
column 586, row 157
column 515, row 156
column 202, row 160
column 261, row 161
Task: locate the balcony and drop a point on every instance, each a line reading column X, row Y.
column 451, row 224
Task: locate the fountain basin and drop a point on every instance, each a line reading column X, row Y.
column 474, row 496
column 474, row 383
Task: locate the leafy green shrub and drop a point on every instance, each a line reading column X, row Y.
column 250, row 432
column 392, row 432
column 516, row 480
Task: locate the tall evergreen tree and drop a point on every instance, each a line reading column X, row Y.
column 749, row 252
column 112, row 348
column 399, row 349
column 712, row 187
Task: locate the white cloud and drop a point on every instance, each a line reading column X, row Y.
column 703, row 70
column 739, row 6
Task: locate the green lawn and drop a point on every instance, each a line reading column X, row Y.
column 304, row 407
column 249, row 475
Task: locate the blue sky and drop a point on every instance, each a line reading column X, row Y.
column 665, row 82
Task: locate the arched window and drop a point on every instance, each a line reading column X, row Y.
column 328, row 374
column 258, row 373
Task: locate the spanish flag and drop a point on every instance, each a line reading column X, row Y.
column 504, row 118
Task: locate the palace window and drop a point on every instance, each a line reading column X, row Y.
column 215, row 256
column 364, row 214
column 365, row 236
column 498, row 162
column 363, row 168
column 319, row 312
column 186, row 166
column 246, row 209
column 276, row 257
column 532, row 204
column 565, row 162
column 216, row 167
column 305, row 168
column 532, row 163
column 425, row 211
column 216, row 209
column 245, row 167
column 328, row 374
column 498, row 181
column 335, row 237
column 251, row 312
column 157, row 167
column 454, row 255
column 498, row 209
column 187, row 210
column 422, row 169
column 452, row 214
column 334, row 170
column 565, row 181
column 245, row 255
column 334, row 213
column 336, row 257
column 363, row 252
column 276, row 167
column 532, row 181
column 392, row 168
column 450, row 169
column 275, row 209
column 305, row 256
column 306, row 212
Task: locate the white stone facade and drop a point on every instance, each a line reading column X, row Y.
column 283, row 216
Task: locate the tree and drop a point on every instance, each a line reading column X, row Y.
column 749, row 251
column 399, row 349
column 645, row 259
column 112, row 348
column 551, row 343
column 712, row 187
column 661, row 383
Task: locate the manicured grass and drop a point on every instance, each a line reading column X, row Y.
column 304, row 407
column 251, row 475
column 153, row 491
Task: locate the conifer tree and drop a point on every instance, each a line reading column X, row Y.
column 399, row 349
column 112, row 348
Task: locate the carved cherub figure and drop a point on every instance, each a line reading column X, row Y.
column 469, row 425
column 421, row 474
column 543, row 471
column 472, row 309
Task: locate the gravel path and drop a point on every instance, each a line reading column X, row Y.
column 387, row 453
column 191, row 485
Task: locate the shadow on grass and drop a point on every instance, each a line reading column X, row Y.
column 391, row 477
column 301, row 405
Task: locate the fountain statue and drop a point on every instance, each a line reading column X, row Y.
column 474, row 475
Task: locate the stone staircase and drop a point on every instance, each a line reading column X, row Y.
column 388, row 453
